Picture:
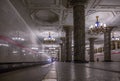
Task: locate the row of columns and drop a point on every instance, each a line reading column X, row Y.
column 107, row 46
column 116, row 44
column 68, row 36
column 79, row 33
column 66, row 45
column 79, row 37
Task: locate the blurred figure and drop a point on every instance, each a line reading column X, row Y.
column 97, row 59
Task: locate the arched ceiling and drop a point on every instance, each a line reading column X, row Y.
column 52, row 15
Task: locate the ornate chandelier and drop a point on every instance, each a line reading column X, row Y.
column 49, row 39
column 18, row 37
column 98, row 27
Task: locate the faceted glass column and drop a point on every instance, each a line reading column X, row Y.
column 68, row 44
column 91, row 40
column 107, row 45
column 79, row 30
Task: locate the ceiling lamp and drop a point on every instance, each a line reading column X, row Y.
column 98, row 27
column 49, row 39
column 114, row 38
column 17, row 37
column 34, row 48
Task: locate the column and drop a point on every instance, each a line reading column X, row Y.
column 107, row 45
column 91, row 40
column 59, row 53
column 58, row 56
column 68, row 31
column 116, row 45
column 79, row 30
column 63, row 51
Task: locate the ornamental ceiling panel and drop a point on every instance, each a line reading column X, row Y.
column 45, row 16
column 39, row 3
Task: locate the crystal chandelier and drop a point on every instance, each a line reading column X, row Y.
column 98, row 27
column 17, row 37
column 49, row 39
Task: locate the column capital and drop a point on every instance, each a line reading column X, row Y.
column 92, row 39
column 108, row 29
column 67, row 27
column 62, row 38
column 78, row 2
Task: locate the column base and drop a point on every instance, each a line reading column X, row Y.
column 92, row 61
column 79, row 61
column 107, row 61
column 68, row 61
column 62, row 61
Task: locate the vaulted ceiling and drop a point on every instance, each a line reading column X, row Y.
column 44, row 16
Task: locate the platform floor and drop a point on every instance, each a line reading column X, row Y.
column 88, row 72
column 62, row 71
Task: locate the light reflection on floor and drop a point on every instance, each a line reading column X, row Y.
column 51, row 76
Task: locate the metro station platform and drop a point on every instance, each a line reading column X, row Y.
column 62, row 71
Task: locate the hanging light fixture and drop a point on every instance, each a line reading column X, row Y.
column 17, row 37
column 98, row 27
column 114, row 37
column 49, row 39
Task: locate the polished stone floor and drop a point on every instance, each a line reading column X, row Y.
column 51, row 75
column 62, row 71
column 88, row 72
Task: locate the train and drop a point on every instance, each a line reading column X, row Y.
column 14, row 55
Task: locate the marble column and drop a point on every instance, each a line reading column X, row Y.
column 59, row 53
column 107, row 45
column 63, row 51
column 68, row 31
column 91, row 40
column 116, row 45
column 79, row 30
